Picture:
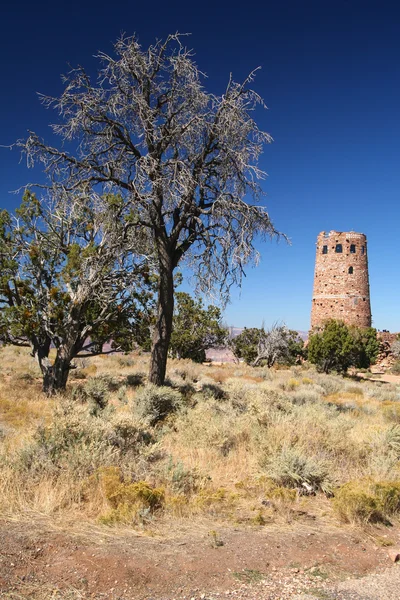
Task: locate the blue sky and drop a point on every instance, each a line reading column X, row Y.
column 331, row 79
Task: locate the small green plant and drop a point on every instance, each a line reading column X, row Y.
column 317, row 572
column 249, row 576
column 216, row 541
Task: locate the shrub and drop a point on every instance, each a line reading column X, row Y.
column 354, row 389
column 126, row 434
column 395, row 370
column 125, row 361
column 129, row 500
column 293, row 469
column 367, row 501
column 212, row 390
column 391, row 411
column 183, row 480
column 330, row 384
column 305, row 396
column 122, row 394
column 154, row 403
column 291, row 385
column 96, row 392
column 77, row 442
column 392, row 439
column 135, row 379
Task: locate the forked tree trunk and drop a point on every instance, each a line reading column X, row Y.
column 163, row 326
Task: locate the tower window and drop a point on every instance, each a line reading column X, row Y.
column 350, row 270
column 362, row 249
column 352, row 248
column 324, row 249
column 339, row 248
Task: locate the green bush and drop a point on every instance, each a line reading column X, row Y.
column 337, row 347
column 154, row 403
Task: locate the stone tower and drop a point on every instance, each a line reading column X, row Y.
column 341, row 283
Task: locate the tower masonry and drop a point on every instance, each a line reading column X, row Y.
column 341, row 282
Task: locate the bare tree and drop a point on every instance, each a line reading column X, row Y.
column 273, row 345
column 184, row 159
column 72, row 278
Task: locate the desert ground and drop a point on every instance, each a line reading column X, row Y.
column 229, row 482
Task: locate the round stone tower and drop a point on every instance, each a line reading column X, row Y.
column 341, row 283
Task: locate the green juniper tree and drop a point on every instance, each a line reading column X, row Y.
column 72, row 279
column 337, row 347
column 244, row 346
column 195, row 328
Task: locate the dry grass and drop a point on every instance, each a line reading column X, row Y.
column 230, row 442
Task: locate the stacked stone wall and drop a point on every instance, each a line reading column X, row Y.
column 341, row 282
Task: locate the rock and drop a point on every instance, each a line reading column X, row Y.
column 394, row 554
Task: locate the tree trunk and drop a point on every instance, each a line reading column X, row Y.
column 55, row 376
column 163, row 326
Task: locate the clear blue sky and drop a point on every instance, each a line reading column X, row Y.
column 331, row 79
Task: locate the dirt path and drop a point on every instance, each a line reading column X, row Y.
column 40, row 563
column 384, row 377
